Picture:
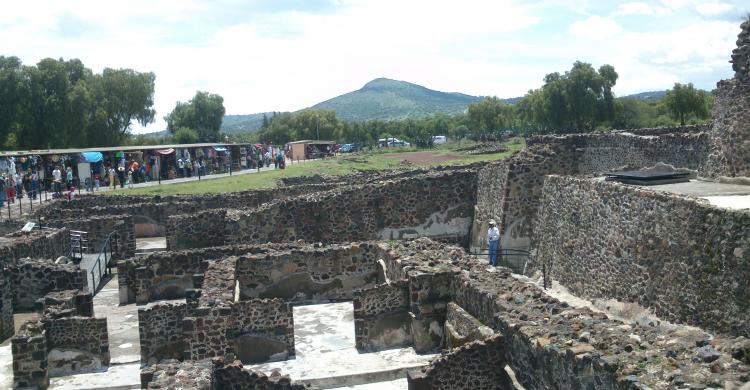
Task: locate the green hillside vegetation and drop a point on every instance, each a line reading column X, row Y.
column 387, row 99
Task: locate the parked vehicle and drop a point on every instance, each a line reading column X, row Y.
column 439, row 139
column 348, row 148
column 392, row 142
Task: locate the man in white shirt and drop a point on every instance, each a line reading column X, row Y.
column 493, row 239
column 57, row 180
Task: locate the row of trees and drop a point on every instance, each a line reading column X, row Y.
column 58, row 103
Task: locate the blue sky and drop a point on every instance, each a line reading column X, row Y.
column 281, row 55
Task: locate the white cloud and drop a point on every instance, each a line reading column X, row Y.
column 595, row 28
column 641, row 8
column 711, row 9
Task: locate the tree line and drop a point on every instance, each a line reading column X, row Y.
column 58, row 103
column 579, row 100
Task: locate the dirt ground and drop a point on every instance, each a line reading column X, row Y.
column 422, row 157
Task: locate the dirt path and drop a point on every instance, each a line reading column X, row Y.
column 422, row 157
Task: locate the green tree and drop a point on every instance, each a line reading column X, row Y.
column 203, row 113
column 184, row 135
column 684, row 101
column 489, row 117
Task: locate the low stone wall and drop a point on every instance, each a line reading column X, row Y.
column 235, row 376
column 479, row 365
column 99, row 227
column 198, row 375
column 86, row 334
column 381, row 317
column 168, row 274
column 462, row 328
column 29, row 349
column 685, row 259
column 6, row 304
column 307, row 273
column 160, row 330
column 436, row 204
column 198, row 230
column 254, row 330
column 46, row 244
column 509, row 191
column 67, row 303
column 219, row 282
column 35, row 278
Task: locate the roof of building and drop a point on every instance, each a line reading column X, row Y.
column 111, row 149
column 312, row 141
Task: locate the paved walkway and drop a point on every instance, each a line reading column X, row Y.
column 22, row 208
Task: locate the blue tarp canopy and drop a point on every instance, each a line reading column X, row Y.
column 92, row 157
column 220, row 149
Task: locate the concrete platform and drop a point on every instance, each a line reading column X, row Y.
column 326, row 355
column 150, row 244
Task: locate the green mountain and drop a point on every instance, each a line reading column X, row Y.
column 242, row 123
column 391, row 99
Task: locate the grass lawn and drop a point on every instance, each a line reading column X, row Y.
column 444, row 154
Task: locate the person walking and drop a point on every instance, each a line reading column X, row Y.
column 2, row 190
column 69, row 177
column 57, row 180
column 493, row 239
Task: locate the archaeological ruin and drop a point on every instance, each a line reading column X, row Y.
column 607, row 285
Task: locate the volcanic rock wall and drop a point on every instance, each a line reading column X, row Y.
column 730, row 133
column 509, row 190
column 685, row 259
column 381, row 317
column 34, row 278
column 46, row 244
column 99, row 227
column 437, row 204
column 308, row 273
column 160, row 331
column 6, row 304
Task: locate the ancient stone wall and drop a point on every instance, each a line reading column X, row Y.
column 29, row 349
column 255, row 330
column 307, row 273
column 160, row 330
column 66, row 303
column 479, row 365
column 509, row 191
column 730, row 134
column 235, row 376
column 39, row 277
column 6, row 304
column 79, row 333
column 381, row 316
column 171, row 374
column 197, row 230
column 687, row 260
column 462, row 328
column 46, row 244
column 437, row 204
column 99, row 227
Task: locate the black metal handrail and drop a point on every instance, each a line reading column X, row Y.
column 515, row 259
column 110, row 247
column 78, row 244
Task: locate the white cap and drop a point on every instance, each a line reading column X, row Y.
column 492, row 222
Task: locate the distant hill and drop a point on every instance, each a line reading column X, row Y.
column 387, row 99
column 391, row 99
column 650, row 95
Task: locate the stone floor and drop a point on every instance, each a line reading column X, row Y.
column 150, row 244
column 326, row 356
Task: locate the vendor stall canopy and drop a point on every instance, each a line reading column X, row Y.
column 92, row 157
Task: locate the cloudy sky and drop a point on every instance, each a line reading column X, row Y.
column 284, row 55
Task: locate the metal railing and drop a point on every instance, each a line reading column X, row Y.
column 515, row 259
column 98, row 271
column 78, row 244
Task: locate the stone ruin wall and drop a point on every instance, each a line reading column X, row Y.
column 99, row 227
column 46, row 244
column 462, row 328
column 215, row 331
column 160, row 329
column 307, row 273
column 6, row 304
column 438, row 204
column 730, row 133
column 381, row 317
column 34, row 278
column 549, row 344
column 509, row 191
column 213, row 374
column 683, row 258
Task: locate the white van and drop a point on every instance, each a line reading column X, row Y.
column 439, row 139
